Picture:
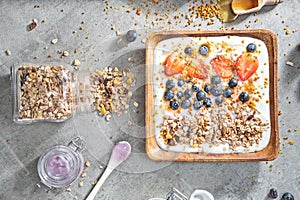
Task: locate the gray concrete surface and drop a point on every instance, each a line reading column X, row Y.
column 139, row 177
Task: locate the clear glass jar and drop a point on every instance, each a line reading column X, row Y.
column 61, row 165
column 48, row 92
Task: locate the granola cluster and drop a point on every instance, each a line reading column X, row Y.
column 45, row 92
column 239, row 127
column 110, row 89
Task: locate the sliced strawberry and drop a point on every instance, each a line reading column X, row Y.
column 173, row 65
column 246, row 66
column 197, row 70
column 222, row 66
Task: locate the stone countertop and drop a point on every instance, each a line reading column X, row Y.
column 96, row 29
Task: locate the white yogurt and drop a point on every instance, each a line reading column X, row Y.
column 165, row 47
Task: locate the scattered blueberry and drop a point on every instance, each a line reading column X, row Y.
column 273, row 193
column 244, row 96
column 227, row 92
column 200, row 95
column 169, row 94
column 174, row 104
column 215, row 80
column 188, row 50
column 203, row 50
column 207, row 88
column 195, row 88
column 179, row 95
column 219, row 100
column 131, row 35
column 251, row 47
column 180, row 83
column 188, row 93
column 216, row 90
column 207, row 102
column 197, row 104
column 185, row 104
column 170, row 84
column 233, row 82
column 188, row 80
column 287, row 196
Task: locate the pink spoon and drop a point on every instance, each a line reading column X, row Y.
column 120, row 153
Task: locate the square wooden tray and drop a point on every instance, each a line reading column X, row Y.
column 270, row 152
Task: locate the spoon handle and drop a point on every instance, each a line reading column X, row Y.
column 100, row 182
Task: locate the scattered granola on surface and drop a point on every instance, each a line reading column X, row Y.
column 110, row 88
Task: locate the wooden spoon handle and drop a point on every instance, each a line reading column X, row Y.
column 272, row 2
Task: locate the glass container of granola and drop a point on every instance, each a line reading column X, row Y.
column 48, row 92
column 61, row 165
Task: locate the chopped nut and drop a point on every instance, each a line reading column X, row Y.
column 87, row 164
column 136, row 104
column 32, row 26
column 54, row 41
column 80, row 183
column 291, row 142
column 68, row 189
column 107, row 117
column 138, row 11
column 83, row 174
column 129, row 123
column 290, row 63
column 279, row 112
column 285, row 137
column 8, row 52
column 65, row 53
column 76, row 62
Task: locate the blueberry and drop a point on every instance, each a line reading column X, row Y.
column 131, row 35
column 244, row 96
column 180, row 83
column 207, row 102
column 185, row 104
column 170, row 84
column 287, row 196
column 207, row 88
column 227, row 92
column 169, row 94
column 216, row 90
column 179, row 95
column 273, row 193
column 215, row 80
column 233, row 82
column 203, row 50
column 174, row 104
column 251, row 47
column 195, row 88
column 188, row 80
column 200, row 95
column 188, row 93
column 188, row 50
column 219, row 100
column 197, row 104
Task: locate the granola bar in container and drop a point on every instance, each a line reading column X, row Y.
column 48, row 92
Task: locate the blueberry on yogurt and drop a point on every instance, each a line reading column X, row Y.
column 203, row 50
column 188, row 50
column 174, row 104
column 170, row 84
column 169, row 94
column 185, row 104
column 188, row 93
column 216, row 80
column 200, row 95
column 197, row 105
column 216, row 90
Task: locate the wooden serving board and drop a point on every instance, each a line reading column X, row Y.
column 270, row 152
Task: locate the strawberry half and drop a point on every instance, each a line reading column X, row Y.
column 173, row 65
column 246, row 66
column 222, row 66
